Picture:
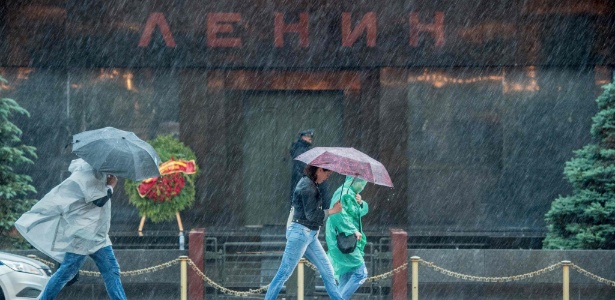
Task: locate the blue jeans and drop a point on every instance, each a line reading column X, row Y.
column 106, row 263
column 351, row 281
column 301, row 240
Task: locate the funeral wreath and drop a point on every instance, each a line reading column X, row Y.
column 160, row 198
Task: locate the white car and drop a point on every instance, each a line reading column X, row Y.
column 21, row 277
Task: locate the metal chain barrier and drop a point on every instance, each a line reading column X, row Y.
column 373, row 278
column 387, row 274
column 221, row 288
column 48, row 263
column 592, row 276
column 369, row 279
column 264, row 288
column 310, row 265
column 137, row 272
column 122, row 273
column 490, row 279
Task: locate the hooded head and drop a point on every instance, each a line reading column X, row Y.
column 80, row 165
column 355, row 184
column 351, row 187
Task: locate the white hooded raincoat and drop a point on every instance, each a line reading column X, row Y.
column 66, row 220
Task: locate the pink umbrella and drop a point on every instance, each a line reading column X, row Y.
column 347, row 161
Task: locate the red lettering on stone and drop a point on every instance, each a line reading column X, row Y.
column 218, row 23
column 302, row 28
column 436, row 29
column 350, row 36
column 157, row 18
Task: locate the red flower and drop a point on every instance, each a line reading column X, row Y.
column 167, row 187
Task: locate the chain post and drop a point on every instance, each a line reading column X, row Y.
column 415, row 277
column 183, row 285
column 566, row 280
column 300, row 281
column 399, row 252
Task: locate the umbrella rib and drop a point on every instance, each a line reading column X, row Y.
column 136, row 158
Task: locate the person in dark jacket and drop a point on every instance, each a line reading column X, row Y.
column 304, row 143
column 302, row 235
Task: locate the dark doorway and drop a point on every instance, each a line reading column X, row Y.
column 272, row 120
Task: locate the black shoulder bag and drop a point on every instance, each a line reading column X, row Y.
column 347, row 243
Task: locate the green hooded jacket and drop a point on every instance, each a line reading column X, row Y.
column 348, row 221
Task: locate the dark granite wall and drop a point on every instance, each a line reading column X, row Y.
column 475, row 130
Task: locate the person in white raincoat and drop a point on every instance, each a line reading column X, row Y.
column 72, row 222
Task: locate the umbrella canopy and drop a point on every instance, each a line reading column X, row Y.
column 117, row 152
column 347, row 161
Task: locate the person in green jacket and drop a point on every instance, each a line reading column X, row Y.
column 350, row 270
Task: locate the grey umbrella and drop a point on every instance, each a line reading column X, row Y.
column 117, row 152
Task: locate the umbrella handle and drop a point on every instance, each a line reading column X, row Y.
column 353, row 178
column 360, row 223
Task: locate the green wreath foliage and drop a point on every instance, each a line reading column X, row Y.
column 167, row 147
